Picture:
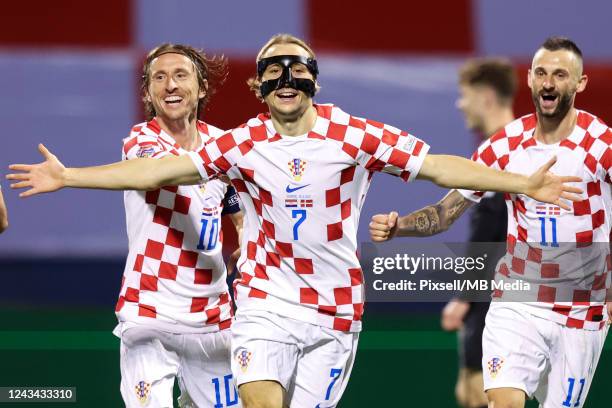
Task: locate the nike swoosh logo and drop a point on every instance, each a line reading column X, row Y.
column 291, row 190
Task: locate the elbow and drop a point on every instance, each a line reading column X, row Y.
column 449, row 172
column 151, row 185
column 145, row 176
column 3, row 225
column 144, row 185
column 444, row 182
column 153, row 181
column 448, row 178
column 442, row 178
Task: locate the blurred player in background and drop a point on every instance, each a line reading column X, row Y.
column 487, row 87
column 544, row 343
column 302, row 171
column 3, row 214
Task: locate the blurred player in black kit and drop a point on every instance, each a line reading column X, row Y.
column 487, row 88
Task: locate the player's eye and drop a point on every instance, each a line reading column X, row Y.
column 298, row 68
column 273, row 69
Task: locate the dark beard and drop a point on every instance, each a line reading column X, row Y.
column 563, row 106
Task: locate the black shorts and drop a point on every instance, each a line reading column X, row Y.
column 470, row 337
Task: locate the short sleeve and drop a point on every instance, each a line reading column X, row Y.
column 220, row 154
column 606, row 157
column 388, row 150
column 139, row 145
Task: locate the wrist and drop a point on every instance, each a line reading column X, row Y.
column 524, row 185
column 402, row 227
column 67, row 178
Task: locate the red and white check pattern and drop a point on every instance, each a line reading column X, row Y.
column 567, row 282
column 302, row 263
column 168, row 282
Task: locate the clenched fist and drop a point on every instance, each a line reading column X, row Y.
column 383, row 227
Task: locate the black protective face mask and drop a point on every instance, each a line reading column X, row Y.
column 286, row 80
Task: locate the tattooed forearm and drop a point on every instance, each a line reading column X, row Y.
column 455, row 210
column 421, row 223
column 434, row 219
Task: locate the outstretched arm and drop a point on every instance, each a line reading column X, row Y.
column 430, row 220
column 457, row 172
column 3, row 214
column 136, row 174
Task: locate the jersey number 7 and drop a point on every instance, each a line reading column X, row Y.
column 301, row 216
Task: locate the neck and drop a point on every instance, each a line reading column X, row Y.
column 497, row 120
column 295, row 124
column 553, row 130
column 184, row 131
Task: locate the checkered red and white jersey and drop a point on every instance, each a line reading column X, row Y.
column 563, row 255
column 302, row 197
column 174, row 277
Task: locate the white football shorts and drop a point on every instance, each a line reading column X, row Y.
column 150, row 360
column 312, row 363
column 548, row 361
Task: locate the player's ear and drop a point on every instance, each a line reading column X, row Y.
column 203, row 90
column 489, row 96
column 582, row 83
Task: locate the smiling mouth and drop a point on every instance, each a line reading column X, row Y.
column 173, row 100
column 548, row 100
column 286, row 94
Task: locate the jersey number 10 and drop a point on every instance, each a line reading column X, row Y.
column 209, row 236
column 231, row 395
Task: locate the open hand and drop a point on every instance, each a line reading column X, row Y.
column 383, row 227
column 550, row 188
column 40, row 178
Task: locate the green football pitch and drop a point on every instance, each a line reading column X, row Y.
column 402, row 360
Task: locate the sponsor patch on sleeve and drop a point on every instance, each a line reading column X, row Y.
column 407, row 144
column 145, row 151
